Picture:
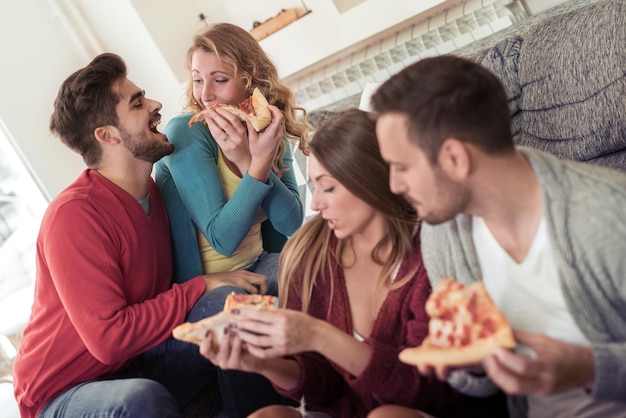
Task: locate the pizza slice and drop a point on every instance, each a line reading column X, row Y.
column 255, row 108
column 195, row 332
column 261, row 302
column 465, row 326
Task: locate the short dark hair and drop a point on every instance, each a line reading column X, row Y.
column 86, row 100
column 449, row 97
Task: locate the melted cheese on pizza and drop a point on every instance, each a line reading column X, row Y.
column 459, row 315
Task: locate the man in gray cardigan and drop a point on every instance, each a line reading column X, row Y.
column 546, row 236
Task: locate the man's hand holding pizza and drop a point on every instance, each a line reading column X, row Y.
column 468, row 333
column 555, row 366
column 465, row 327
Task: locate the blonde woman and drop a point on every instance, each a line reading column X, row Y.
column 231, row 192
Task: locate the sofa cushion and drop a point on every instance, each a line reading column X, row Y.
column 565, row 77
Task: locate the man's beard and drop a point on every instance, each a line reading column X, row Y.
column 452, row 199
column 147, row 150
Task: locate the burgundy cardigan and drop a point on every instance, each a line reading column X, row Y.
column 401, row 322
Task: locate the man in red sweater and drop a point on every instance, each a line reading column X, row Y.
column 98, row 340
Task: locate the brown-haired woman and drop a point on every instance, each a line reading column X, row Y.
column 354, row 288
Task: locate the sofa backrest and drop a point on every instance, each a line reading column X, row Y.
column 565, row 75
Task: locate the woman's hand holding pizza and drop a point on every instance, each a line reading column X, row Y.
column 229, row 355
column 264, row 145
column 557, row 366
column 231, row 136
column 277, row 333
column 250, row 151
column 259, row 339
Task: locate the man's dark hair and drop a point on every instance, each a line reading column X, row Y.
column 86, row 100
column 449, row 97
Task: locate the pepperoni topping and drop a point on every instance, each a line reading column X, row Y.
column 461, row 314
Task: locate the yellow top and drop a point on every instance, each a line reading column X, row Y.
column 252, row 245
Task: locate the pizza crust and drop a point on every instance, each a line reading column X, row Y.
column 262, row 116
column 476, row 352
column 195, row 332
column 465, row 327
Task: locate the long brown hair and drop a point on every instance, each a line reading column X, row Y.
column 347, row 147
column 239, row 51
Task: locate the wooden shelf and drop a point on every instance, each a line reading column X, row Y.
column 278, row 22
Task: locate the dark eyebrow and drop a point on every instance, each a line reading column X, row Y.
column 322, row 175
column 136, row 96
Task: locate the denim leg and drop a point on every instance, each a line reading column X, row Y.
column 267, row 264
column 212, row 303
column 113, row 398
column 178, row 365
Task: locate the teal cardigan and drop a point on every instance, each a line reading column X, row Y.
column 191, row 187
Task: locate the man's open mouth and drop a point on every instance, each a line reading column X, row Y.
column 154, row 124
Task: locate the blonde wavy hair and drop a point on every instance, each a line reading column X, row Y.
column 347, row 147
column 242, row 54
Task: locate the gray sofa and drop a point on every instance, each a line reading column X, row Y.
column 564, row 71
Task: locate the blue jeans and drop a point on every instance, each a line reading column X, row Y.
column 133, row 397
column 165, row 378
column 171, row 374
column 267, row 264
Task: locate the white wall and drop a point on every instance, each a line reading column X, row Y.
column 39, row 52
column 171, row 24
column 37, row 56
column 120, row 29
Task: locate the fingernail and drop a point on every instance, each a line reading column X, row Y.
column 235, row 311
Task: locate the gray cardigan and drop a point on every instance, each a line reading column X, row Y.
column 585, row 210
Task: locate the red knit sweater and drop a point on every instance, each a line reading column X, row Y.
column 102, row 292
